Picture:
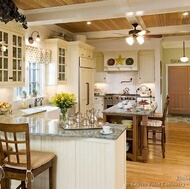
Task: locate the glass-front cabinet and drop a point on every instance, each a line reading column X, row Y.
column 57, row 69
column 11, row 58
column 61, row 64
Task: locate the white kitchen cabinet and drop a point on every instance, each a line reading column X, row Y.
column 84, row 52
column 146, row 67
column 57, row 69
column 99, row 105
column 12, row 64
column 99, row 75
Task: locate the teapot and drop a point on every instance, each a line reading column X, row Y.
column 91, row 114
column 78, row 117
column 85, row 121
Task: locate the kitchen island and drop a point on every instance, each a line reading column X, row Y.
column 86, row 159
column 136, row 136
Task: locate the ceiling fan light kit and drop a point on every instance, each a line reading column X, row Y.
column 130, row 40
column 140, row 39
column 184, row 58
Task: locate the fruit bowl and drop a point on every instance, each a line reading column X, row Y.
column 4, row 107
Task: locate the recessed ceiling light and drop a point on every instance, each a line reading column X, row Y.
column 185, row 13
column 88, row 22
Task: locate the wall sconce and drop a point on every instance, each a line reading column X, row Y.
column 184, row 58
column 31, row 40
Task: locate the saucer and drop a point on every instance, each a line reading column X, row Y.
column 107, row 133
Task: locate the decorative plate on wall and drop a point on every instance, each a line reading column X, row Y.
column 111, row 62
column 129, row 61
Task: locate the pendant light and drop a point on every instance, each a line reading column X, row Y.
column 184, row 58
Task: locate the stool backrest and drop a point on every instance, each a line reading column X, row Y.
column 16, row 136
column 165, row 109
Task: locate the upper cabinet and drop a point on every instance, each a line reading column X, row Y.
column 57, row 69
column 146, row 66
column 100, row 74
column 85, row 52
column 120, row 61
column 12, row 64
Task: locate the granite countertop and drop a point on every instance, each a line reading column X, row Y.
column 133, row 111
column 52, row 127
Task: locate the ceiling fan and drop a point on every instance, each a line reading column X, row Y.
column 139, row 35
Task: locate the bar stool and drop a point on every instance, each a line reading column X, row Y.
column 156, row 126
column 22, row 163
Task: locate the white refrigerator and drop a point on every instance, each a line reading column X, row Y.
column 86, row 84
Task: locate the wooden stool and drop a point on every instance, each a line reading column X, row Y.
column 22, row 163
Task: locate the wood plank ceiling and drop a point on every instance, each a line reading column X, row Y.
column 121, row 23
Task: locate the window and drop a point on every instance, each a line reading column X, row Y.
column 34, row 79
column 36, row 59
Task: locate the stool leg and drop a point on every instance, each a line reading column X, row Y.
column 163, row 143
column 51, row 177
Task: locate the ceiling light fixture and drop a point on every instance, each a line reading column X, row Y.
column 184, row 58
column 31, row 40
column 185, row 13
column 88, row 22
column 131, row 39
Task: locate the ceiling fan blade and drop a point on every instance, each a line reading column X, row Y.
column 153, row 36
column 143, row 32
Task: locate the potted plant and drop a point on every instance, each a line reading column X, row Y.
column 24, row 94
column 34, row 93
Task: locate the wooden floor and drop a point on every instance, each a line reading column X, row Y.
column 173, row 172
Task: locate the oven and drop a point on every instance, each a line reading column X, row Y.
column 113, row 99
column 108, row 101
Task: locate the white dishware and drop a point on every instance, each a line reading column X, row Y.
column 127, row 106
column 106, row 129
column 108, row 133
column 120, row 105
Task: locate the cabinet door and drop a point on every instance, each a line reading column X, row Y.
column 146, row 68
column 17, row 59
column 11, row 58
column 61, row 64
column 57, row 69
column 4, row 57
column 99, row 105
column 86, row 89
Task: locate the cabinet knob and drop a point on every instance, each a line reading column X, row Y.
column 10, row 77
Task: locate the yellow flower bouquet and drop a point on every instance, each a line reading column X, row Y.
column 63, row 101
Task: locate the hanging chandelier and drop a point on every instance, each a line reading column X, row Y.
column 184, row 58
column 9, row 12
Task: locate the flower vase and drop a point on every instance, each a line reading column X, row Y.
column 63, row 114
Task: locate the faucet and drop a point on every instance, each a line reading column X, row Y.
column 36, row 100
column 41, row 99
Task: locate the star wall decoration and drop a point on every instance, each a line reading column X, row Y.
column 119, row 60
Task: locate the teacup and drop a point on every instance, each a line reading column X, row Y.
column 106, row 129
column 120, row 105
